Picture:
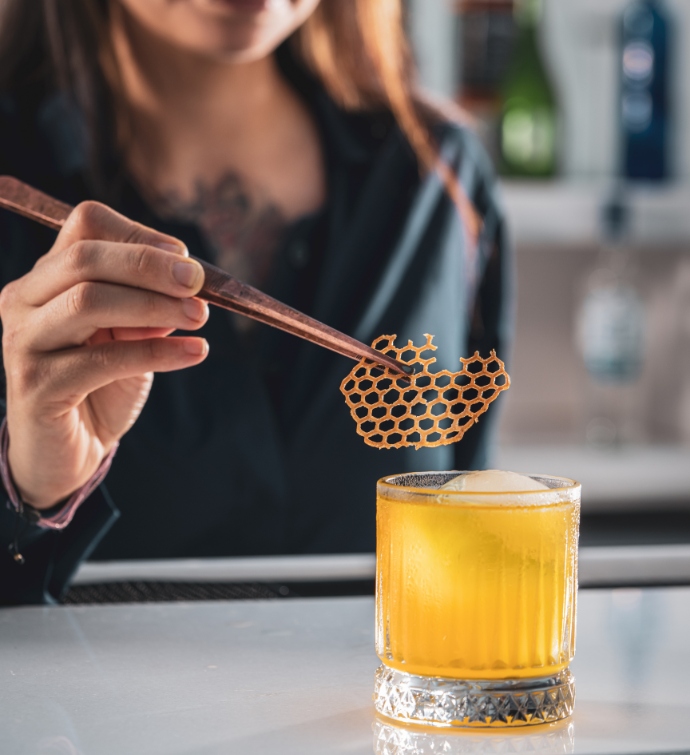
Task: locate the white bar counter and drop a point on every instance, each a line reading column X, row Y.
column 294, row 677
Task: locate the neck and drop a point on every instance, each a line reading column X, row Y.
column 180, row 103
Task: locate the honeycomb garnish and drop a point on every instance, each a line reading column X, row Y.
column 429, row 408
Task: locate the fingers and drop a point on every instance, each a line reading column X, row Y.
column 92, row 220
column 76, row 315
column 79, row 372
column 138, row 334
column 94, row 312
column 134, row 265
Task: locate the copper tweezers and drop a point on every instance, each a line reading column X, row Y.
column 219, row 288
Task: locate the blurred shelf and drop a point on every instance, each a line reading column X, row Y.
column 638, row 478
column 599, row 566
column 567, row 213
column 310, row 568
column 638, row 565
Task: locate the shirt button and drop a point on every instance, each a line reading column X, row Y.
column 298, row 254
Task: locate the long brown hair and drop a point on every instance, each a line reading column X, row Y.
column 357, row 48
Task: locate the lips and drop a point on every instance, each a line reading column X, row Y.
column 243, row 6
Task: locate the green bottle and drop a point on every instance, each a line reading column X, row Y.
column 529, row 119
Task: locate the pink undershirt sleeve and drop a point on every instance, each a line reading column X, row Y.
column 64, row 516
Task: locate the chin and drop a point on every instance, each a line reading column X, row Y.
column 229, row 30
column 237, row 45
column 248, row 29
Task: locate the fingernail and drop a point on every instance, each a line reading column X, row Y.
column 197, row 347
column 174, row 248
column 194, row 309
column 187, row 273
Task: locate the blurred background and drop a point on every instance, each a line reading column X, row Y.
column 585, row 109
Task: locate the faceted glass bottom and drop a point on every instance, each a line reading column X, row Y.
column 438, row 701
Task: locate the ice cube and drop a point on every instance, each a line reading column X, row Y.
column 493, row 481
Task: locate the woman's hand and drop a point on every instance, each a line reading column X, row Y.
column 84, row 332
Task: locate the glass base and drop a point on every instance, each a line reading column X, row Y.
column 438, row 701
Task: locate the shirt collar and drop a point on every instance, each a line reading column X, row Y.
column 350, row 136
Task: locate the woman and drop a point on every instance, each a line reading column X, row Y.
column 280, row 140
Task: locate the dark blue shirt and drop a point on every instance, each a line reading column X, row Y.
column 254, row 451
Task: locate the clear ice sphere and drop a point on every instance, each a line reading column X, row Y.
column 493, row 481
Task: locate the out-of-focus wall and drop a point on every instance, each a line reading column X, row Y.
column 433, row 31
column 556, row 231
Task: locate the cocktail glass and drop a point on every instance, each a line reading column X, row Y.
column 475, row 602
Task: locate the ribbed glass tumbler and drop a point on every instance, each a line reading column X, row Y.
column 475, row 602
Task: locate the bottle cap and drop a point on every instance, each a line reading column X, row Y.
column 615, row 218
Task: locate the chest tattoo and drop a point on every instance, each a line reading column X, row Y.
column 243, row 226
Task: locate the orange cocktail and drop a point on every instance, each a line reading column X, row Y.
column 478, row 587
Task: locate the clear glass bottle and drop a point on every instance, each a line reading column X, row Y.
column 610, row 335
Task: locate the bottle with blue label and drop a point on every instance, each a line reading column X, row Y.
column 644, row 92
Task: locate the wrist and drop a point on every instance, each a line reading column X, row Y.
column 48, row 471
column 60, row 513
column 39, row 496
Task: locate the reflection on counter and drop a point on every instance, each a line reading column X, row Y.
column 636, row 619
column 395, row 739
